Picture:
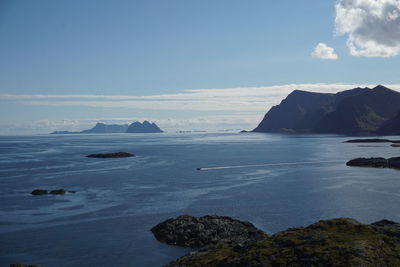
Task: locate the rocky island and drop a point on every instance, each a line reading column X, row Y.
column 191, row 231
column 335, row 242
column 111, row 155
column 135, row 127
column 375, row 162
column 372, row 140
column 38, row 192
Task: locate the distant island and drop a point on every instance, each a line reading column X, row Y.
column 136, row 127
column 359, row 111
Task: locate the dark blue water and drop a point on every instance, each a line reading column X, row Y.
column 107, row 222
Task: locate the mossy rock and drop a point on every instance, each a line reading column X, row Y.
column 336, row 242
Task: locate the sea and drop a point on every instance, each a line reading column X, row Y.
column 275, row 181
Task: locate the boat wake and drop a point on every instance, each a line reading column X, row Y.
column 267, row 164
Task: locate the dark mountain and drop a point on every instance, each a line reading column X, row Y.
column 136, row 127
column 355, row 111
column 145, row 127
column 392, row 127
column 296, row 113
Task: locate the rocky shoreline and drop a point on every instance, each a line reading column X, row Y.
column 334, row 242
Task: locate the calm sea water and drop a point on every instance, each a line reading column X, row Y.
column 107, row 222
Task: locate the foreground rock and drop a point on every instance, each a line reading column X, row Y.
column 111, row 155
column 335, row 242
column 375, row 162
column 38, row 192
column 23, row 265
column 191, row 231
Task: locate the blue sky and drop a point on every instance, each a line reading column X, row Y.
column 153, row 48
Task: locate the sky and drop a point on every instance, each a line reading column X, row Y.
column 184, row 64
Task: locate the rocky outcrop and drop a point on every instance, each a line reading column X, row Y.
column 335, row 242
column 192, row 231
column 38, row 192
column 387, row 227
column 111, row 155
column 375, row 162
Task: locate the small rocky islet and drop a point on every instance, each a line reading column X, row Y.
column 372, row 140
column 23, row 265
column 39, row 192
column 378, row 162
column 334, row 242
column 111, row 155
column 192, row 231
column 375, row 162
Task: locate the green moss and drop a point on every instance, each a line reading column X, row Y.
column 337, row 242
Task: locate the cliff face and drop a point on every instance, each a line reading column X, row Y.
column 356, row 111
column 297, row 112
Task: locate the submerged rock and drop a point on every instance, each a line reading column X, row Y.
column 375, row 162
column 192, row 231
column 111, row 155
column 335, row 242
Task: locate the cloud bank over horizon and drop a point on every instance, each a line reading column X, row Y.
column 205, row 109
column 372, row 26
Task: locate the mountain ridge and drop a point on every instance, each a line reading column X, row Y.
column 355, row 111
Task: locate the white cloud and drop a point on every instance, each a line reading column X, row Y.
column 252, row 99
column 323, row 51
column 372, row 26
